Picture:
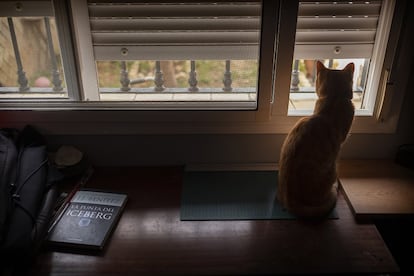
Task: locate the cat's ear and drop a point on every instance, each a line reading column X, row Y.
column 320, row 66
column 350, row 68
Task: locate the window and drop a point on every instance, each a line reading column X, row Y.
column 244, row 66
column 337, row 33
column 196, row 52
column 31, row 56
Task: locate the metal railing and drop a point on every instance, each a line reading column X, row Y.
column 159, row 84
column 22, row 81
column 295, row 87
column 126, row 83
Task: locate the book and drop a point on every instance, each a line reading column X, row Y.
column 65, row 197
column 87, row 220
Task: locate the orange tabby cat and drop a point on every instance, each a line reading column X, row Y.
column 307, row 165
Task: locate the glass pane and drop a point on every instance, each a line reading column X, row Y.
column 178, row 80
column 175, row 51
column 302, row 89
column 30, row 57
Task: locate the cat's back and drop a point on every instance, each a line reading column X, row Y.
column 311, row 139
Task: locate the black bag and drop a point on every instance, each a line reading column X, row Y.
column 8, row 157
column 28, row 194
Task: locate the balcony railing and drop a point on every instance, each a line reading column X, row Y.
column 126, row 84
column 311, row 76
column 22, row 81
column 23, row 89
column 159, row 83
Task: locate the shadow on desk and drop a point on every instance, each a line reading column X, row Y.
column 150, row 238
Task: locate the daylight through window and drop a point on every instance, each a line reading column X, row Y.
column 338, row 33
column 244, row 56
column 31, row 65
column 176, row 52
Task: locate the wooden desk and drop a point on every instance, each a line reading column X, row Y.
column 150, row 239
column 377, row 189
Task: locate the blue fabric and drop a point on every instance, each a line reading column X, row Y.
column 232, row 195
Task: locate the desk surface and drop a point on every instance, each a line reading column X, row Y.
column 150, row 239
column 378, row 189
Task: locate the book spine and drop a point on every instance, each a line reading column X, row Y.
column 59, row 213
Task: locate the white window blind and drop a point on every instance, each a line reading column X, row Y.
column 164, row 30
column 337, row 29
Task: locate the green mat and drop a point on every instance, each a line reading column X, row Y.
column 232, row 195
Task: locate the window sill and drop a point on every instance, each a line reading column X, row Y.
column 73, row 121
